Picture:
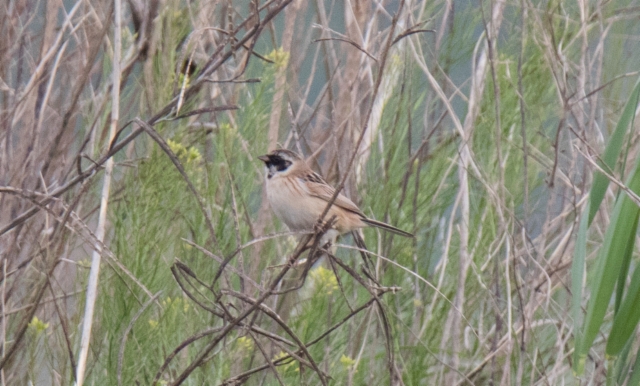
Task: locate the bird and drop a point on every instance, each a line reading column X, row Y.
column 298, row 196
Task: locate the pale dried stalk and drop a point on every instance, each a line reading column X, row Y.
column 291, row 14
column 386, row 91
column 92, row 287
column 3, row 331
column 386, row 88
column 347, row 117
column 464, row 162
column 281, row 76
column 37, row 73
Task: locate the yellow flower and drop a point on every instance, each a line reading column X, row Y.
column 347, row 362
column 227, row 128
column 38, row 325
column 280, row 57
column 176, row 148
column 185, row 154
column 193, row 155
column 325, row 279
column 153, row 323
column 176, row 304
column 287, row 362
column 245, row 343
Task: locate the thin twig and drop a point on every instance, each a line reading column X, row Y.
column 275, row 317
column 123, row 343
column 411, row 32
column 266, row 358
column 235, row 379
column 233, row 323
column 65, row 331
column 204, row 111
column 356, row 45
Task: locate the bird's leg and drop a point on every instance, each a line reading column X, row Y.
column 324, row 232
column 318, row 227
column 321, row 227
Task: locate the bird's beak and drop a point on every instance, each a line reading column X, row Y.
column 264, row 158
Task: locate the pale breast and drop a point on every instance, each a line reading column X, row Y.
column 299, row 210
column 290, row 203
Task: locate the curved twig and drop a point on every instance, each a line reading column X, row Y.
column 123, row 343
column 356, row 45
column 280, row 361
column 410, row 32
column 276, row 318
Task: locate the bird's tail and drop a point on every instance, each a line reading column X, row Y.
column 387, row 227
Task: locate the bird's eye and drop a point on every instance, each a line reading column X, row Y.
column 281, row 164
column 278, row 163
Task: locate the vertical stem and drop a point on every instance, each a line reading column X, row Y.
column 290, row 15
column 92, row 288
column 464, row 164
column 4, row 316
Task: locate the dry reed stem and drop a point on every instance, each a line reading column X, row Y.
column 92, row 286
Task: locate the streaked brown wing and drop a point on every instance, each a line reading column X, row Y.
column 319, row 188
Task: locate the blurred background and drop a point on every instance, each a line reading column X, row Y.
column 477, row 126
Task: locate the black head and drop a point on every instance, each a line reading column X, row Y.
column 279, row 161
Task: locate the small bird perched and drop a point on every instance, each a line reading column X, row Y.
column 298, row 196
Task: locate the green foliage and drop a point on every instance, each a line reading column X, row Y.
column 614, row 255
